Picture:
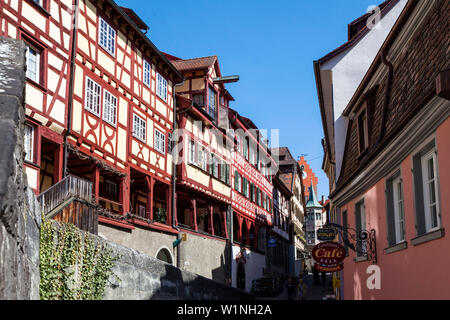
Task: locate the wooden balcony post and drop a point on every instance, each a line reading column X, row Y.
column 211, row 220
column 96, row 182
column 58, row 164
column 150, row 186
column 225, row 227
column 124, row 195
column 239, row 234
column 194, row 214
column 247, row 234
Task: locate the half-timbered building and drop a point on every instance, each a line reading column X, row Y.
column 46, row 28
column 203, row 176
column 122, row 112
column 252, row 200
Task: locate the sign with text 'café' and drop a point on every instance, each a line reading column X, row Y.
column 329, row 256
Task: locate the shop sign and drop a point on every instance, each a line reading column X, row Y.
column 326, row 234
column 328, row 254
column 272, row 243
column 332, row 269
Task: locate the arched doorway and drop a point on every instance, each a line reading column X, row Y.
column 165, row 256
column 240, row 277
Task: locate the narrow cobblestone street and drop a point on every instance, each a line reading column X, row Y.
column 313, row 291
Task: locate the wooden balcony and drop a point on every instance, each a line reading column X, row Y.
column 71, row 201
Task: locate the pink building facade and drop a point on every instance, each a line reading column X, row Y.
column 391, row 193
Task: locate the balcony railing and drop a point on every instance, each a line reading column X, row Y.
column 67, row 188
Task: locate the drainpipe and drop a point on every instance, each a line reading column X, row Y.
column 174, row 173
column 71, row 85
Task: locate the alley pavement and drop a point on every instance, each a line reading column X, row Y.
column 313, row 291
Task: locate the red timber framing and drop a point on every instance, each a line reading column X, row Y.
column 203, row 185
column 118, row 117
column 102, row 144
column 48, row 33
column 202, row 207
column 252, row 192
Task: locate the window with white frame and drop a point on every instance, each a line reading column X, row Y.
column 161, row 87
column 139, row 128
column 147, row 73
column 395, row 210
column 426, row 187
column 107, row 37
column 203, row 157
column 160, row 141
column 191, row 152
column 29, row 143
column 430, row 190
column 92, row 96
column 109, row 108
column 33, row 61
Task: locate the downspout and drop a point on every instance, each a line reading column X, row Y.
column 387, row 95
column 174, row 172
column 71, row 85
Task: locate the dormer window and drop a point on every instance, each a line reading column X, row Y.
column 363, row 131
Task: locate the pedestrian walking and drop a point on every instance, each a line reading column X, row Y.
column 301, row 289
column 290, row 286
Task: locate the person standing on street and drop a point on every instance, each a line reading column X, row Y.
column 301, row 289
column 290, row 286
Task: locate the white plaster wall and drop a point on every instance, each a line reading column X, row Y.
column 255, row 263
column 348, row 70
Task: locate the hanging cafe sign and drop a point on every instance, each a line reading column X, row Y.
column 329, row 257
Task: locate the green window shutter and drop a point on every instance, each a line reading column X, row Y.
column 390, row 215
column 358, row 222
column 418, row 195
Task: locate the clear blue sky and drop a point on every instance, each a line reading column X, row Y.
column 271, row 45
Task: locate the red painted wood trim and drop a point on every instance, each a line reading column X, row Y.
column 155, row 226
column 116, row 223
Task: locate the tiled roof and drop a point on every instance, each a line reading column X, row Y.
column 194, row 64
